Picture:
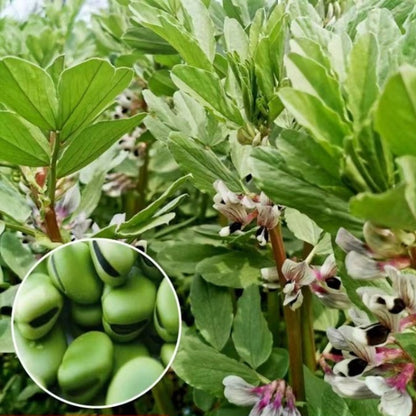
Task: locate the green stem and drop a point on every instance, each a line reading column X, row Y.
column 143, row 180
column 175, row 227
column 308, row 336
column 21, row 228
column 163, row 399
column 292, row 319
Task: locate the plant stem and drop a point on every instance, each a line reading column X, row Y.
column 306, row 317
column 162, row 399
column 51, row 224
column 292, row 320
column 21, row 228
column 413, row 409
column 308, row 336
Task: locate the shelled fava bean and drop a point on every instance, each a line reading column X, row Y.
column 97, row 325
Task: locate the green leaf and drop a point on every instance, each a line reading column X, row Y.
column 147, row 213
column 86, row 90
column 276, row 366
column 302, row 226
column 310, row 112
column 17, row 257
column 407, row 342
column 93, row 141
column 212, row 309
column 251, row 335
column 29, row 91
column 285, row 187
column 396, row 112
column 6, row 340
column 168, row 28
column 146, row 41
column 184, row 257
column 160, row 83
column 362, row 76
column 56, row 68
column 12, row 203
column 324, row 317
column 203, row 163
column 202, row 367
column 395, row 208
column 236, row 39
column 310, row 76
column 207, row 88
column 235, row 269
column 22, row 143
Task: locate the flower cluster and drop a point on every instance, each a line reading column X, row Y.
column 369, row 362
column 242, row 209
column 322, row 281
column 273, row 399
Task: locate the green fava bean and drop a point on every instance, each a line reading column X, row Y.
column 86, row 366
column 166, row 314
column 72, row 271
column 133, row 378
column 112, row 261
column 166, row 353
column 42, row 357
column 128, row 308
column 37, row 306
column 88, row 316
column 150, row 270
column 126, row 352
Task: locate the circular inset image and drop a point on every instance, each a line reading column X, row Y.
column 96, row 323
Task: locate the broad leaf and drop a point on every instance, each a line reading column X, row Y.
column 407, row 342
column 29, row 91
column 396, row 112
column 22, row 143
column 202, row 367
column 251, row 335
column 302, row 226
column 235, row 269
column 310, row 112
column 17, row 257
column 203, row 163
column 12, row 203
column 395, row 208
column 168, row 28
column 361, row 83
column 146, row 41
column 207, row 88
column 6, row 340
column 310, row 76
column 94, row 141
column 212, row 309
column 85, row 90
column 277, row 364
column 285, row 187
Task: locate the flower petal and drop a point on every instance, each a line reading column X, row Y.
column 361, row 266
column 239, row 392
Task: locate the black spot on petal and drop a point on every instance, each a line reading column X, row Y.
column 377, row 334
column 235, row 226
column 381, row 301
column 398, row 307
column 356, row 367
column 333, row 282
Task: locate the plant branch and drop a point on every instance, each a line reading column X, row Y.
column 292, row 319
column 51, row 223
column 19, row 227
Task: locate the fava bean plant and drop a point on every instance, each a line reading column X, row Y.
column 264, row 153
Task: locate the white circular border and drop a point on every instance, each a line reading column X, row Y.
column 44, row 258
